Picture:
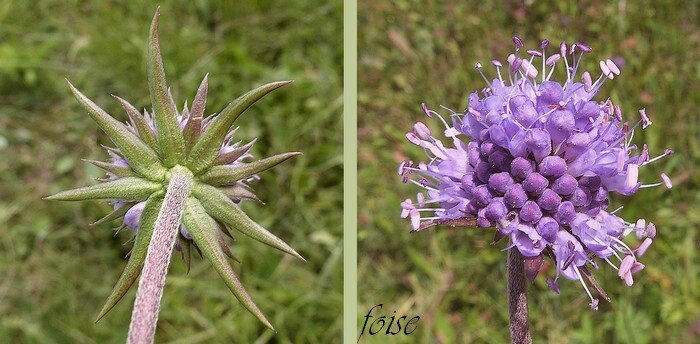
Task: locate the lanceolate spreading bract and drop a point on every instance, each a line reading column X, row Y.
column 176, row 178
column 537, row 158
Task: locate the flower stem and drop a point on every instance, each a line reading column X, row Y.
column 517, row 299
column 145, row 314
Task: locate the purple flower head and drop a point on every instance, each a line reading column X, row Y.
column 537, row 158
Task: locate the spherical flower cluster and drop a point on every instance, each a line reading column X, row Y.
column 541, row 160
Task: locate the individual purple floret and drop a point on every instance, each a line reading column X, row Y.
column 537, row 158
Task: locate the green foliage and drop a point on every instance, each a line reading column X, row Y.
column 57, row 270
column 137, row 255
column 143, row 160
column 219, row 206
column 127, row 188
column 171, row 142
column 420, row 51
column 204, row 232
column 206, row 149
column 223, row 175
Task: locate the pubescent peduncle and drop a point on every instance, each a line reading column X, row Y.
column 150, row 290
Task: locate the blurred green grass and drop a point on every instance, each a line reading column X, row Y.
column 56, row 271
column 424, row 51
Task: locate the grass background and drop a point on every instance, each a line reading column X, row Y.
column 56, row 271
column 424, row 51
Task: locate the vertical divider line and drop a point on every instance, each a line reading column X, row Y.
column 350, row 171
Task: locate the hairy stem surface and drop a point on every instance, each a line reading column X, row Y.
column 517, row 299
column 145, row 314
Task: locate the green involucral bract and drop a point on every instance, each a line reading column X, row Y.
column 150, row 147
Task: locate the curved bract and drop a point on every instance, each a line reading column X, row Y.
column 152, row 147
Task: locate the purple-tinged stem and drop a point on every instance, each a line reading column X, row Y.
column 145, row 314
column 517, row 299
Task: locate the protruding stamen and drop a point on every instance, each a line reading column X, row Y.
column 594, row 301
column 625, row 270
column 627, row 249
column 666, row 153
column 627, row 132
column 644, row 246
column 422, row 131
column 618, row 113
column 552, row 60
column 625, row 266
column 518, row 43
column 562, row 52
column 643, row 155
column 408, row 209
column 542, row 118
column 645, row 119
column 514, row 62
column 544, row 45
column 478, row 67
column 651, row 230
column 587, row 82
column 562, row 48
column 528, row 68
column 632, row 175
column 667, row 181
column 423, row 185
column 612, row 66
column 584, row 47
column 637, row 267
column 621, row 157
column 452, row 132
column 426, row 110
column 606, row 70
column 568, row 261
column 404, row 167
column 413, row 138
column 616, row 210
column 652, row 185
